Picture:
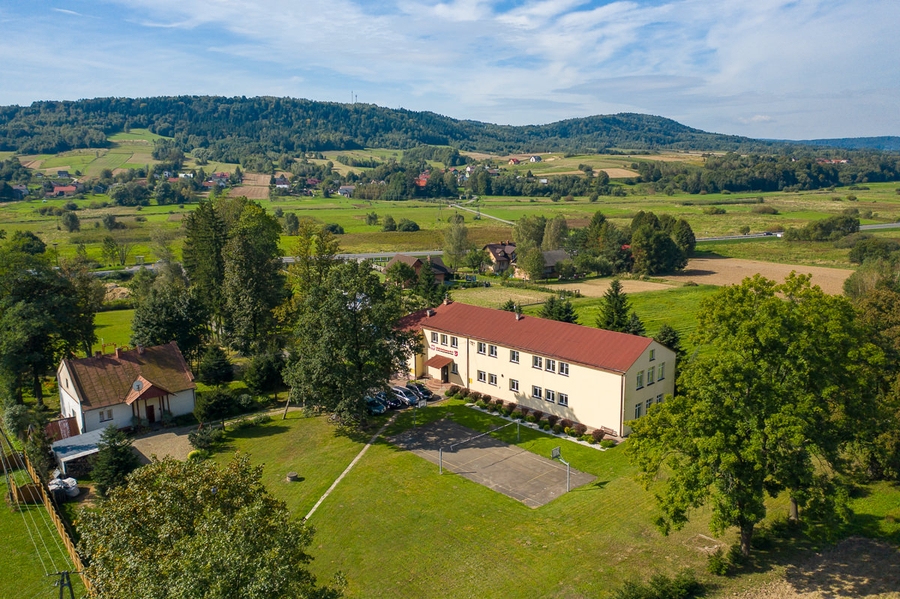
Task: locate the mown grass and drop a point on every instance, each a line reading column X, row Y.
column 113, row 326
column 396, row 527
column 23, row 574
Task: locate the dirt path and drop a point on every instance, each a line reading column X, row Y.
column 856, row 567
column 597, row 287
column 731, row 271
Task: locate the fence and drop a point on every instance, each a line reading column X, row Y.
column 60, row 524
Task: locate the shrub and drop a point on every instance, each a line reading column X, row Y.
column 263, row 374
column 607, row 443
column 215, row 368
column 557, row 428
column 475, row 396
column 498, row 403
column 545, row 426
column 587, row 439
column 453, row 390
column 214, row 405
column 717, row 563
column 538, row 415
column 683, row 586
column 552, row 419
column 511, row 406
column 206, row 437
column 579, row 429
column 517, row 414
column 530, row 418
column 713, row 210
column 481, row 404
column 486, row 398
column 597, row 435
column 245, row 402
column 565, row 423
column 463, row 393
column 198, row 455
column 261, row 419
column 407, row 226
column 764, row 210
column 334, row 228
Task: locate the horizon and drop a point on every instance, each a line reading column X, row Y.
column 779, row 70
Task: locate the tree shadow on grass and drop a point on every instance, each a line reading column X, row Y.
column 258, row 432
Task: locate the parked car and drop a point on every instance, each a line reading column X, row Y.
column 374, row 407
column 390, row 400
column 405, row 395
column 419, row 389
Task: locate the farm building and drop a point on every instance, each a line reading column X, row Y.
column 114, row 389
column 599, row 378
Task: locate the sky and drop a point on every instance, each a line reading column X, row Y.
column 778, row 69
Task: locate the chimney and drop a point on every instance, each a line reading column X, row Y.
column 429, row 312
column 447, row 300
column 98, row 353
column 140, row 349
column 117, row 352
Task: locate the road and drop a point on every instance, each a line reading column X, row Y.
column 481, row 214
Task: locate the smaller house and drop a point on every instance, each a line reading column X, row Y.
column 62, row 174
column 502, row 255
column 440, row 270
column 19, row 192
column 551, row 259
column 346, row 190
column 282, row 182
column 63, row 191
column 139, row 385
column 514, row 161
column 534, row 159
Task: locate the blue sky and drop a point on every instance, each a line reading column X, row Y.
column 764, row 68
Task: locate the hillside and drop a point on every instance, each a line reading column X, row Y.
column 233, row 127
column 887, row 143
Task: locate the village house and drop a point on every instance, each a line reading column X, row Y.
column 440, row 270
column 534, row 159
column 142, row 385
column 502, row 255
column 551, row 259
column 599, row 378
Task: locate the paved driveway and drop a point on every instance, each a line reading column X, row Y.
column 168, row 442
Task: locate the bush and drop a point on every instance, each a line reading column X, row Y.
column 475, row 396
column 263, row 374
column 683, row 586
column 511, row 406
column 198, row 455
column 557, row 428
column 764, row 210
column 215, row 368
column 530, row 418
column 712, row 210
column 552, row 419
column 607, row 443
column 517, row 414
column 545, row 426
column 206, row 437
column 481, row 404
column 486, row 398
column 453, row 390
column 717, row 563
column 407, row 226
column 597, row 435
column 565, row 423
column 462, row 393
column 334, row 228
column 538, row 415
column 579, row 429
column 246, row 402
column 214, row 405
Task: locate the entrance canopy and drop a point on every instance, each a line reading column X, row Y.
column 438, row 362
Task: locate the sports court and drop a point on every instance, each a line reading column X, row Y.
column 507, row 469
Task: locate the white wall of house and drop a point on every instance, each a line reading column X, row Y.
column 118, row 415
column 68, row 403
column 182, row 402
column 648, row 393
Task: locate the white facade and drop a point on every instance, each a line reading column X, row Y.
column 582, row 393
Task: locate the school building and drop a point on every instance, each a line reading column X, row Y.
column 599, row 378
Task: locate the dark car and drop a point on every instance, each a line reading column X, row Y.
column 420, row 390
column 374, row 407
column 390, row 400
column 405, row 395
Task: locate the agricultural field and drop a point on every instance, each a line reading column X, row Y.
column 447, row 536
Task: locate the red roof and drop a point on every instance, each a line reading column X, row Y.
column 597, row 348
column 109, row 379
column 64, row 189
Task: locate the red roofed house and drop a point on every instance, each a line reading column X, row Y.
column 599, row 378
column 114, row 389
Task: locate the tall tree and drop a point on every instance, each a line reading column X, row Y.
column 767, row 410
column 204, row 240
column 254, row 284
column 555, row 233
column 170, row 313
column 654, row 252
column 115, row 460
column 213, row 531
column 529, row 231
column 347, row 341
column 89, row 294
column 531, row 261
column 615, row 309
column 456, row 244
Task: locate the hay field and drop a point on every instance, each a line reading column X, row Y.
column 731, row 271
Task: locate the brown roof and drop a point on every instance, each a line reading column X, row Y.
column 597, row 348
column 107, row 380
column 438, row 361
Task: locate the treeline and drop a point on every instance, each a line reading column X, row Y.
column 231, row 129
column 735, row 173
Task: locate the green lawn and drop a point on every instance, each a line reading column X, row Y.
column 113, row 326
column 31, row 549
column 395, row 527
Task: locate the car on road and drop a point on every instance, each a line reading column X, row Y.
column 405, row 395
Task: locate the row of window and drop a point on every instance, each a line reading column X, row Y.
column 454, row 341
column 653, row 375
column 548, row 365
column 643, row 408
column 536, row 392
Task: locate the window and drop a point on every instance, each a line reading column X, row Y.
column 482, row 377
column 650, row 373
column 564, row 369
column 564, row 399
column 443, row 339
column 640, row 380
column 454, row 369
column 662, row 371
column 492, row 379
column 513, row 356
column 482, row 347
column 647, row 404
column 652, row 354
column 434, row 337
column 492, row 351
column 106, row 415
column 550, row 365
column 537, row 392
column 454, row 341
column 659, row 398
column 514, row 385
column 637, row 411
column 537, row 362
column 550, row 396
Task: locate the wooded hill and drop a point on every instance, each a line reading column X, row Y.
column 229, row 128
